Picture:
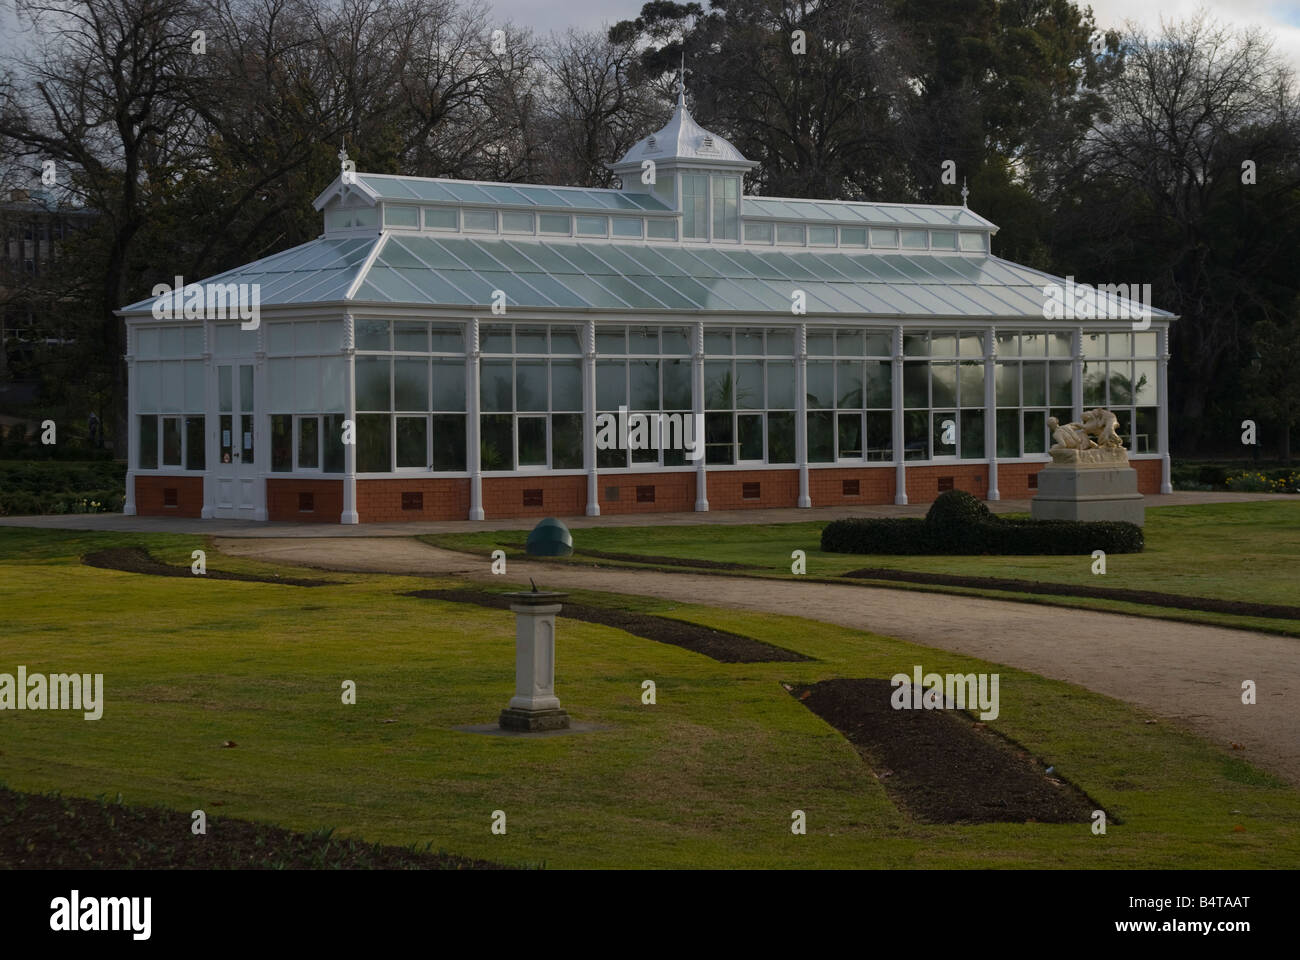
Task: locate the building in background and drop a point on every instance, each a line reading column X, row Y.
column 472, row 334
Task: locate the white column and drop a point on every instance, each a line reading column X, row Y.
column 801, row 411
column 1162, row 411
column 697, row 408
column 132, row 423
column 212, row 426
column 589, row 418
column 261, row 422
column 475, row 423
column 350, row 415
column 991, row 411
column 1076, row 378
column 900, row 471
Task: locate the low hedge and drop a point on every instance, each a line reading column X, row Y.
column 51, row 487
column 954, row 526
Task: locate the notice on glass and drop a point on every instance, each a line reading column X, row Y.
column 248, row 441
column 225, row 438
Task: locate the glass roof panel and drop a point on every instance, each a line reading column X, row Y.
column 594, row 294
column 468, row 193
column 555, row 289
column 428, row 190
column 546, row 257
column 501, row 194
column 519, row 292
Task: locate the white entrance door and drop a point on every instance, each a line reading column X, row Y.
column 239, row 491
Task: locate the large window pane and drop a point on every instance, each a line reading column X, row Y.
column 496, row 386
column 412, row 441
column 372, row 334
column 821, row 384
column 972, row 383
column 943, row 439
column 566, row 385
column 374, row 443
column 880, row 436
column 1094, row 383
column 1008, row 427
column 821, row 436
column 1008, row 384
column 448, row 441
column 373, row 383
column 1035, row 431
column 566, row 441
column 916, row 435
column 780, row 437
column 943, row 378
column 780, row 384
column 308, row 443
column 849, row 429
column 750, row 429
column 1144, row 382
column 1121, row 385
column 498, row 442
column 749, row 384
column 1035, row 384
column 677, row 385
column 411, row 336
column 195, row 444
column 148, row 443
column 1146, row 435
column 916, row 385
column 611, row 384
column 848, row 383
column 448, row 384
column 530, row 385
column 171, row 445
column 410, row 383
column 333, row 455
column 879, row 385
column 719, row 442
column 1061, row 377
column 281, row 443
column 972, row 434
column 644, row 375
column 719, row 386
column 532, row 441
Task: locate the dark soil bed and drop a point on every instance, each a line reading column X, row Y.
column 717, row 644
column 1150, row 597
column 689, row 562
column 138, row 560
column 43, row 832
column 939, row 765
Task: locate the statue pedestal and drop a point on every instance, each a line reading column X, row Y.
column 534, row 705
column 1104, row 490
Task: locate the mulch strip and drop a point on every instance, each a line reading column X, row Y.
column 720, row 645
column 47, row 831
column 690, row 562
column 1151, row 598
column 138, row 560
column 940, row 766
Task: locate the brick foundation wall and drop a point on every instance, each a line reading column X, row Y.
column 923, row 481
column 776, row 488
column 282, row 500
column 1013, row 480
column 390, row 501
column 561, row 497
column 673, row 492
column 826, row 485
column 1149, row 473
column 151, row 496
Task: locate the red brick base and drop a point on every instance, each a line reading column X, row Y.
column 284, row 503
column 539, row 496
column 152, row 496
column 420, row 498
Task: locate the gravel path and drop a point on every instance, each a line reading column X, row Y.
column 1178, row 671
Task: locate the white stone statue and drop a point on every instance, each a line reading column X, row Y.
column 1074, row 442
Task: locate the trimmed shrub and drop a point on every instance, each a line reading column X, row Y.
column 971, row 534
column 955, row 507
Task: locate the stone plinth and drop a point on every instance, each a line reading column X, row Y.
column 534, row 705
column 1098, row 490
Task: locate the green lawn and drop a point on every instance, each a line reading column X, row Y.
column 708, row 777
column 1233, row 551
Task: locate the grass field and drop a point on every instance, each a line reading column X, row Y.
column 707, row 777
column 1231, row 551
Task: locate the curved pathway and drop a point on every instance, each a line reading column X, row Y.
column 1185, row 672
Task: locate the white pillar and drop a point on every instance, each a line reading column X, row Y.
column 801, row 411
column 132, row 423
column 350, row 415
column 697, row 407
column 1076, row 377
column 900, row 471
column 1162, row 411
column 534, row 707
column 991, row 411
column 261, row 422
column 589, row 418
column 211, row 424
column 475, row 423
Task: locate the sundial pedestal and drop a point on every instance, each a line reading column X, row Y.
column 534, row 707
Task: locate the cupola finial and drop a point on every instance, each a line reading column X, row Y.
column 964, row 192
column 681, row 81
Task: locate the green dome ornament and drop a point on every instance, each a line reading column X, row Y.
column 550, row 538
